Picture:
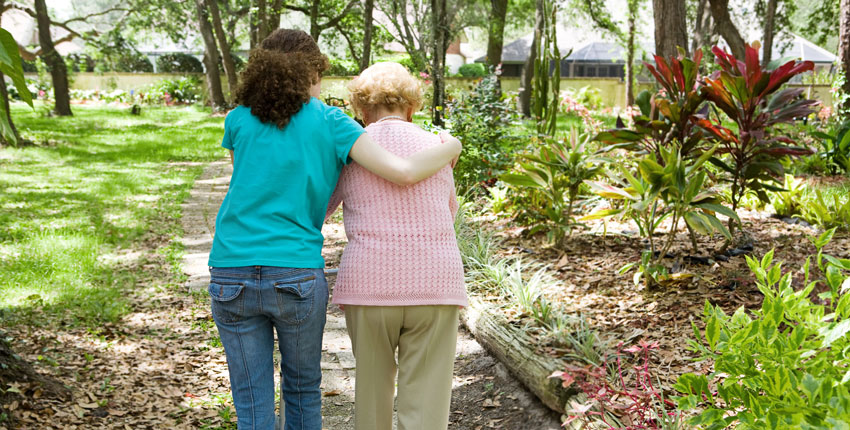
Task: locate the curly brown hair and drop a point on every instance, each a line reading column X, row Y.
column 277, row 80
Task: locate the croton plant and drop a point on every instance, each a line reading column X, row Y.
column 752, row 97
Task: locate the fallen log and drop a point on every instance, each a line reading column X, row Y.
column 516, row 350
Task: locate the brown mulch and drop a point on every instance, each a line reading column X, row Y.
column 587, row 266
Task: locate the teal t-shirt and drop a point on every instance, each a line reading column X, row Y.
column 282, row 181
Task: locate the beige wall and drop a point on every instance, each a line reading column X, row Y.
column 612, row 90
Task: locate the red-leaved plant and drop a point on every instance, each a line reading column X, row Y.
column 751, row 96
column 626, row 403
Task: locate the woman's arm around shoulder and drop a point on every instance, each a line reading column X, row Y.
column 404, row 171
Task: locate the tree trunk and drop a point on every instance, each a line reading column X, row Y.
column 527, row 78
column 671, row 30
column 702, row 26
column 315, row 27
column 226, row 56
column 515, row 349
column 54, row 61
column 630, row 53
column 844, row 47
column 496, row 31
column 726, row 28
column 769, row 21
column 262, row 21
column 211, row 58
column 439, row 45
column 4, row 94
column 368, row 20
column 273, row 17
column 13, row 369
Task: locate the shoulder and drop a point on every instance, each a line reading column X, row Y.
column 406, row 129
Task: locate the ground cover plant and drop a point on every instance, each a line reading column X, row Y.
column 75, row 197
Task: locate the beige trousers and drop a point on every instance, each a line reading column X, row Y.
column 426, row 338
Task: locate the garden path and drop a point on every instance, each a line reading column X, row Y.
column 485, row 396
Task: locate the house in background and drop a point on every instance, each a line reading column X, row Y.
column 597, row 58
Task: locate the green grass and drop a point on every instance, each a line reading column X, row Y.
column 94, row 186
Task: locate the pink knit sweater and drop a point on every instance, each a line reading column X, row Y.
column 401, row 247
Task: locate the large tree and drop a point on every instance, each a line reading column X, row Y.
column 55, row 62
column 726, row 28
column 844, row 48
column 671, row 30
column 368, row 26
column 224, row 46
column 527, row 77
column 496, row 31
column 439, row 45
column 323, row 14
column 211, row 57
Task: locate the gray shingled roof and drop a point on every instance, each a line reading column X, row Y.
column 518, row 50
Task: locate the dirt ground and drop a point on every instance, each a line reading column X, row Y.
column 162, row 366
column 586, row 266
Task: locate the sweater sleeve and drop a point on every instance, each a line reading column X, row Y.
column 453, row 205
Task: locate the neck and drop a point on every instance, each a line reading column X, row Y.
column 378, row 113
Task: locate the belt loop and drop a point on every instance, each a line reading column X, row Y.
column 258, row 274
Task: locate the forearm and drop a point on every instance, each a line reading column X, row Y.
column 399, row 170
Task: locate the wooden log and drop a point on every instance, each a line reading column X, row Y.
column 516, row 350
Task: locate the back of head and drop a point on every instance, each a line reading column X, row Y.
column 277, row 79
column 388, row 85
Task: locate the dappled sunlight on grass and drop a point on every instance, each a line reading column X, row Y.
column 92, row 185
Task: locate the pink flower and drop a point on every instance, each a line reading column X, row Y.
column 41, row 93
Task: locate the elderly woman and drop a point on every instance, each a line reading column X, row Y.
column 400, row 278
column 288, row 149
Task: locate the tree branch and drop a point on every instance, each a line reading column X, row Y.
column 334, row 21
column 351, row 46
column 94, row 14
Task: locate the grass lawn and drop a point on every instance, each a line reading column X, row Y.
column 94, row 187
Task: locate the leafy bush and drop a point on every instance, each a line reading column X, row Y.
column 783, row 366
column 342, row 67
column 179, row 63
column 836, row 147
column 472, row 70
column 790, row 201
column 669, row 117
column 673, row 189
column 591, row 98
column 185, row 90
column 557, row 170
column 751, row 96
column 483, row 123
column 828, row 210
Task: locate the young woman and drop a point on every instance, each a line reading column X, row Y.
column 400, row 278
column 266, row 266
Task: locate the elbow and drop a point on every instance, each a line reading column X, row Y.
column 406, row 177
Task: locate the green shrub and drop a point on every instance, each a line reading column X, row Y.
column 472, row 70
column 342, row 67
column 483, row 122
column 179, row 63
column 557, row 169
column 185, row 90
column 836, row 147
column 783, row 366
column 238, row 62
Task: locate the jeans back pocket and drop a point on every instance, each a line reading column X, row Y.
column 295, row 297
column 227, row 300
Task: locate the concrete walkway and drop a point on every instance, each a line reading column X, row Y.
column 478, row 377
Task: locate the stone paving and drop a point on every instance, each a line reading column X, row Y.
column 199, row 212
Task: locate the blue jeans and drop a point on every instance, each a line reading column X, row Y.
column 248, row 304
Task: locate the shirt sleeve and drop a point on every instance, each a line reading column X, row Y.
column 346, row 131
column 227, row 140
column 336, row 197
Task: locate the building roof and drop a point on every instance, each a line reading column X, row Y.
column 603, row 51
column 804, row 50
